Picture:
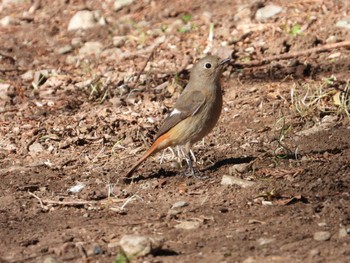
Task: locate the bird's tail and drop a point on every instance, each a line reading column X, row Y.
column 156, row 147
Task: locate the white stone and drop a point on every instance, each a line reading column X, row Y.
column 179, row 204
column 119, row 4
column 188, row 225
column 91, row 48
column 231, row 180
column 136, row 245
column 322, row 236
column 343, row 24
column 85, row 19
column 8, row 20
column 267, row 11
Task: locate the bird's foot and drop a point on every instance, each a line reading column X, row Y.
column 195, row 173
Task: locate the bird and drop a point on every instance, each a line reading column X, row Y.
column 195, row 113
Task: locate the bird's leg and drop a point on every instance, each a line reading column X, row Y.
column 191, row 170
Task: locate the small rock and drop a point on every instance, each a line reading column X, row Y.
column 76, row 188
column 50, row 259
column 206, row 17
column 188, row 225
column 119, row 4
column 28, row 76
column 111, row 54
column 239, row 168
column 85, row 19
column 76, row 42
column 342, row 232
column 64, row 50
column 231, row 180
column 173, row 212
column 8, row 20
column 345, row 23
column 334, row 55
column 222, row 52
column 137, row 245
column 250, row 50
column 12, row 2
column 322, row 236
column 91, row 48
column 327, row 122
column 314, row 252
column 94, row 249
column 113, row 243
column 250, row 260
column 179, row 204
column 4, row 88
column 322, row 224
column 265, row 241
column 35, row 148
column 267, row 11
column 119, row 41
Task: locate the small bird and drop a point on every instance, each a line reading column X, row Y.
column 196, row 111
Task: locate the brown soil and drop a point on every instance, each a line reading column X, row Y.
column 94, row 117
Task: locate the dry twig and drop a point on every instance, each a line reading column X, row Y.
column 263, row 61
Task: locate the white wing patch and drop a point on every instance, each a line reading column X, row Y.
column 174, row 112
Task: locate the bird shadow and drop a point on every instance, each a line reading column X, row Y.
column 161, row 173
column 166, row 174
column 229, row 161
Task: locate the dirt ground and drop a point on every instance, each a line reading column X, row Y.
column 71, row 117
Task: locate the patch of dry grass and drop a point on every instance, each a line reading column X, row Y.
column 312, row 100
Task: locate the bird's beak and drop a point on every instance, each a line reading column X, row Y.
column 225, row 61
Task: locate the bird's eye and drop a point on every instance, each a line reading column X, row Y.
column 207, row 65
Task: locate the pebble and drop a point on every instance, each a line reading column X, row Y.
column 315, row 252
column 28, row 76
column 239, row 168
column 4, row 88
column 334, row 55
column 136, row 245
column 91, row 48
column 76, row 42
column 173, row 212
column 327, row 122
column 188, row 225
column 231, row 180
column 8, row 20
column 11, row 2
column 119, row 41
column 85, row 19
column 342, row 233
column 343, row 24
column 76, row 188
column 35, row 148
column 267, row 12
column 94, row 249
column 119, row 4
column 322, row 236
column 64, row 49
column 265, row 241
column 50, row 259
column 179, row 204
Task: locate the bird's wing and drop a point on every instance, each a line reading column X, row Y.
column 187, row 105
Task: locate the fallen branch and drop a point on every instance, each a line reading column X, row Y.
column 44, row 202
column 263, row 61
column 144, row 66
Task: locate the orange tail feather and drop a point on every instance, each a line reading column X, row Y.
column 154, row 149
